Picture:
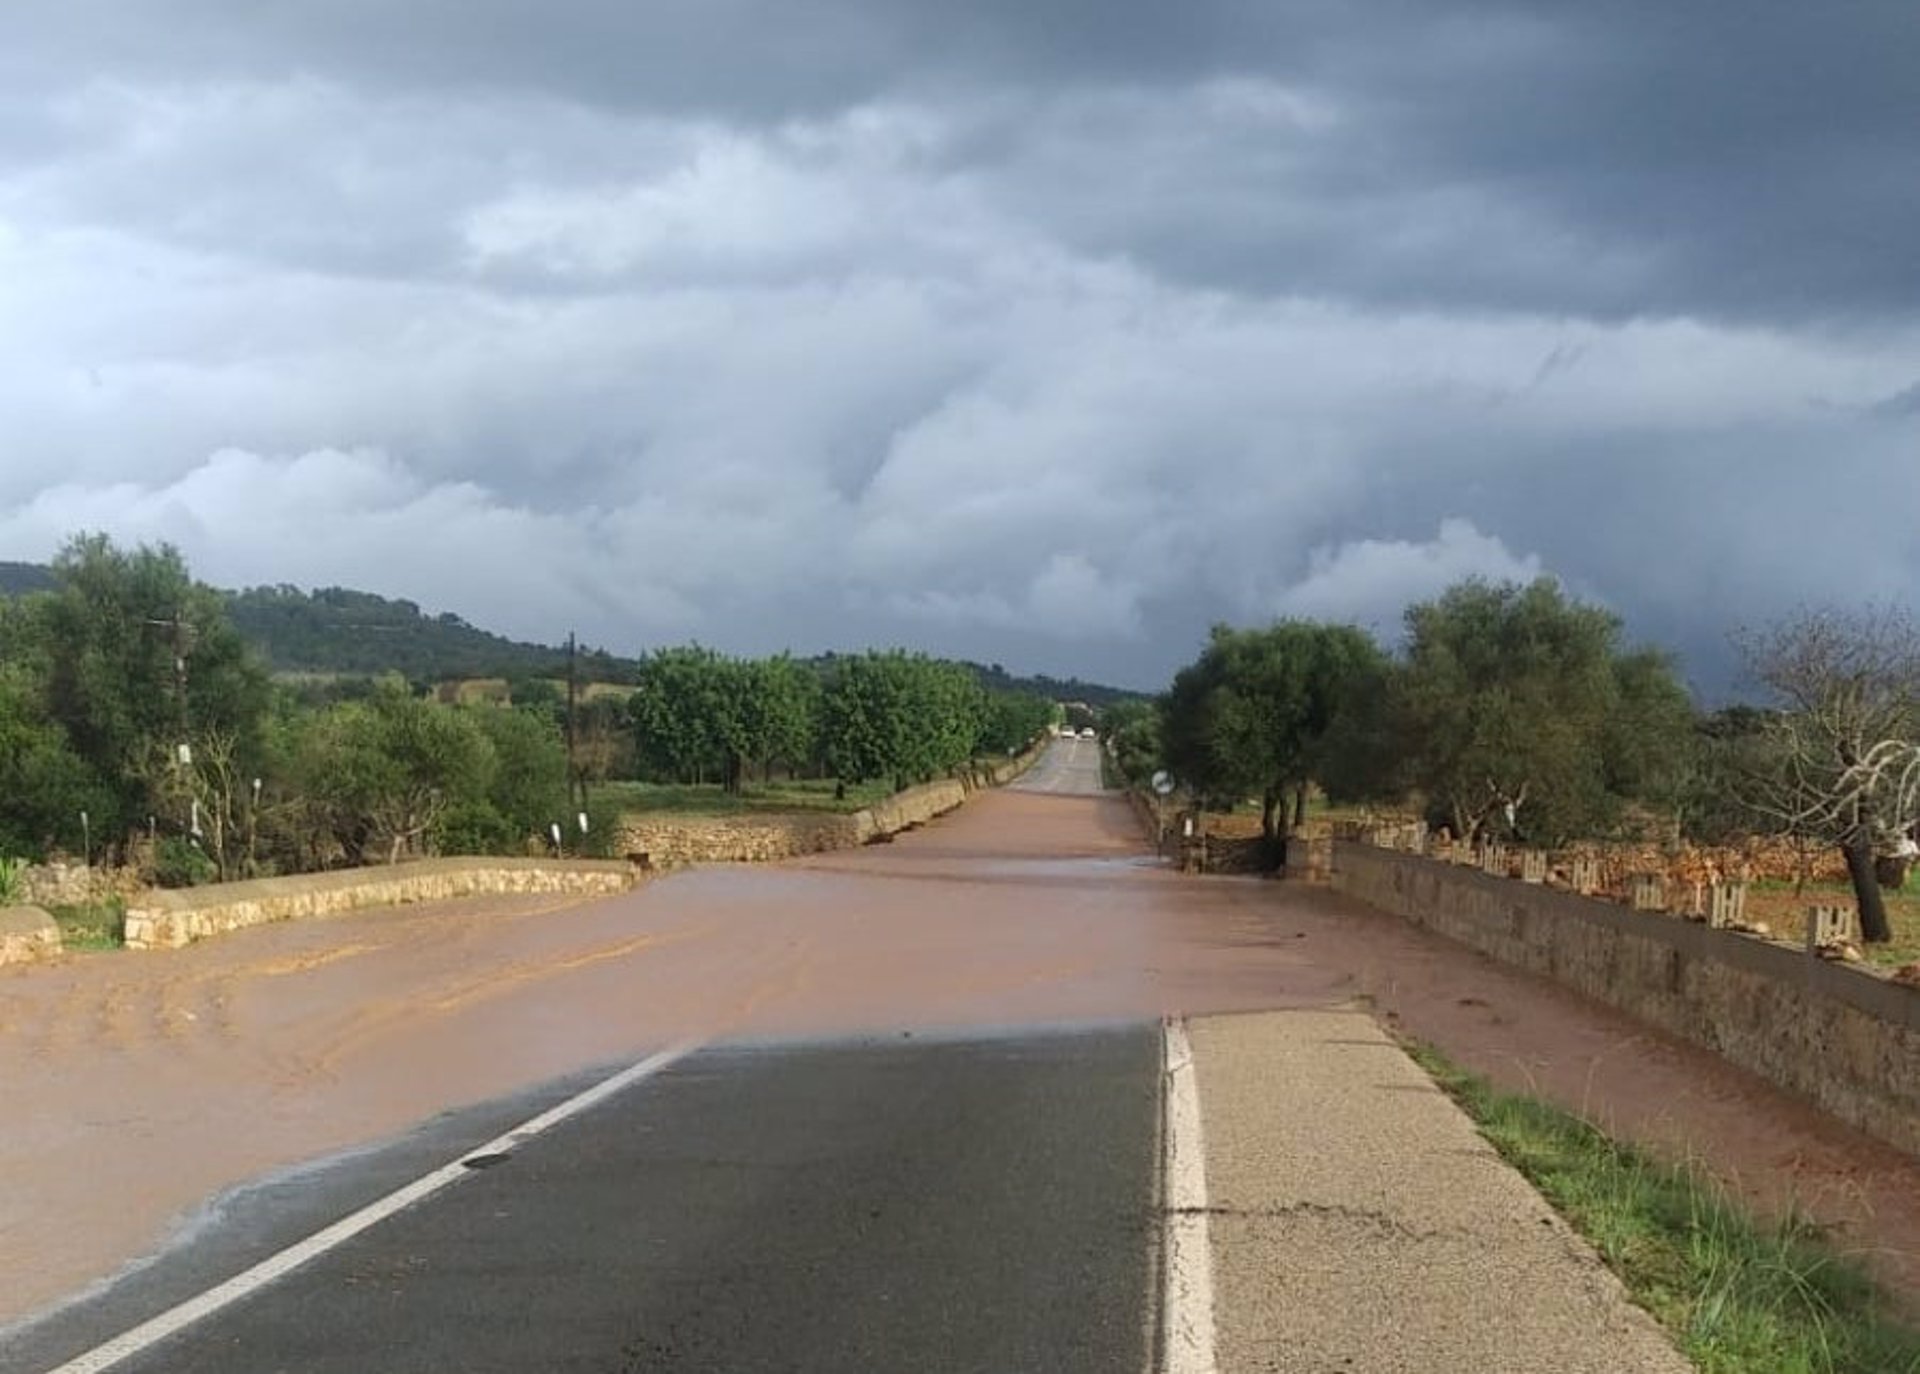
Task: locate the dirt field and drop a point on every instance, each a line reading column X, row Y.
column 140, row 1084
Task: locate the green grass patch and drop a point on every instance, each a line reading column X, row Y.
column 92, row 925
column 1738, row 1295
column 689, row 800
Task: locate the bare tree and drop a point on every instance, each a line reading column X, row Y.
column 1843, row 766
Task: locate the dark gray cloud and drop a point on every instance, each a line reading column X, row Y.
column 1040, row 333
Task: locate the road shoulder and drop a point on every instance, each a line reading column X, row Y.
column 1359, row 1221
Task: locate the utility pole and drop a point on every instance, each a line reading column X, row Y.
column 576, row 793
column 180, row 672
column 181, row 753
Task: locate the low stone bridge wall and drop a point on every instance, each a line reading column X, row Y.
column 1831, row 1033
column 26, row 933
column 169, row 919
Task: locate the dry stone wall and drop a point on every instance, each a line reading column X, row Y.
column 71, row 884
column 170, row 919
column 1838, row 1036
column 27, row 933
column 665, row 842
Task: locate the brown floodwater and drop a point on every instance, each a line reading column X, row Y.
column 139, row 1084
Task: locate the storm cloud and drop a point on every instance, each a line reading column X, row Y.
column 1044, row 334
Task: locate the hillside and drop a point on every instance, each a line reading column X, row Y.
column 336, row 630
column 17, row 579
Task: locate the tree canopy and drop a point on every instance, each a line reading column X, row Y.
column 1251, row 716
column 1520, row 712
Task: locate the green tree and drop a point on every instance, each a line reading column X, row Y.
column 1518, row 712
column 901, row 716
column 1132, row 728
column 680, row 709
column 377, row 777
column 44, row 785
column 1251, row 716
column 777, row 716
column 528, row 787
column 140, row 659
column 1014, row 720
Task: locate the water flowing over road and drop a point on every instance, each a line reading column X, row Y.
column 918, row 1123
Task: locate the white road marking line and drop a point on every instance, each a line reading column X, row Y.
column 175, row 1319
column 1186, row 1269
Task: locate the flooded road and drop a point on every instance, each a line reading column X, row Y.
column 139, row 1084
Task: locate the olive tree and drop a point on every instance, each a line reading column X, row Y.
column 1251, row 715
column 1518, row 710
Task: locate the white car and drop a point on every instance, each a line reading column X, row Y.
column 1088, row 733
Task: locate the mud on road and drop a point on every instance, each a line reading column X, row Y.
column 139, row 1085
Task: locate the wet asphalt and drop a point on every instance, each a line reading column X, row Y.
column 982, row 1204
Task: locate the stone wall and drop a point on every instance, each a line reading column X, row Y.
column 664, row 842
column 170, row 919
column 26, row 933
column 1838, row 1036
column 675, row 841
column 70, row 884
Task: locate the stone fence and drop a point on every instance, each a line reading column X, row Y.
column 666, row 842
column 168, row 919
column 165, row 919
column 1842, row 1038
column 26, row 933
column 74, row 884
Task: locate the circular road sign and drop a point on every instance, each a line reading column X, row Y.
column 1163, row 782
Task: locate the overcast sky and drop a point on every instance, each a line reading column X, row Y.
column 1043, row 332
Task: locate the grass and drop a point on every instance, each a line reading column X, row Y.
column 1776, row 904
column 1738, row 1295
column 92, row 925
column 713, row 800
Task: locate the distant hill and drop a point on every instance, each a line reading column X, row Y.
column 1059, row 689
column 17, row 579
column 335, row 630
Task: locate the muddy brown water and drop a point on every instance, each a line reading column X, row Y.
column 137, row 1085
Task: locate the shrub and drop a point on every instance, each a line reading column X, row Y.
column 13, row 880
column 179, row 862
column 476, row 827
column 603, row 828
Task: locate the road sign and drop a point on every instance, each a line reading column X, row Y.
column 1163, row 782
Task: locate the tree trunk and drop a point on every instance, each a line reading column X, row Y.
column 1269, row 806
column 1300, row 807
column 1866, row 891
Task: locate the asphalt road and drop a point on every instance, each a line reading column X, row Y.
column 1070, row 768
column 980, row 1205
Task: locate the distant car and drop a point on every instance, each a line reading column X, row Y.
column 1088, row 733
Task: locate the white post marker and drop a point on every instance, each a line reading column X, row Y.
column 176, row 1319
column 1186, row 1262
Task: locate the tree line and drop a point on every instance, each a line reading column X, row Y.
column 1519, row 713
column 701, row 717
column 131, row 709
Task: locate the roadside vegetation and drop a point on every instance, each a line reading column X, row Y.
column 1520, row 715
column 1739, row 1295
column 91, row 925
column 138, row 727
